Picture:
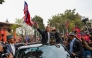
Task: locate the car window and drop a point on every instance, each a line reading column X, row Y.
column 43, row 52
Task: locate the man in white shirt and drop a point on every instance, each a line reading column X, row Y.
column 11, row 46
column 48, row 37
column 46, row 34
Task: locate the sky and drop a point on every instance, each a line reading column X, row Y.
column 12, row 9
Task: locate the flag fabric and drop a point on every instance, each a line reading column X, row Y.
column 76, row 29
column 78, row 32
column 27, row 18
column 86, row 37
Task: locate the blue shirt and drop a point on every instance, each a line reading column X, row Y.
column 71, row 45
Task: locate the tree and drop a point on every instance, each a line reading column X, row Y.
column 1, row 1
column 13, row 29
column 59, row 20
column 14, row 26
column 38, row 20
column 24, row 29
column 55, row 21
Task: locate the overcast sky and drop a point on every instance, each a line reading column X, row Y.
column 12, row 9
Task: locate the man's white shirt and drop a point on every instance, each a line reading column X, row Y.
column 13, row 48
column 48, row 37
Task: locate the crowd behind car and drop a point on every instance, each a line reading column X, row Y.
column 79, row 44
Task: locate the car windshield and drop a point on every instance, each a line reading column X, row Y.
column 43, row 52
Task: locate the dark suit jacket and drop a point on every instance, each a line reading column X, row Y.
column 9, row 49
column 44, row 34
column 58, row 37
column 77, row 48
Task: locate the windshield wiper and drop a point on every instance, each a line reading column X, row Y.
column 64, row 47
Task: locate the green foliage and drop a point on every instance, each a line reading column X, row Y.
column 17, row 24
column 38, row 20
column 1, row 1
column 14, row 26
column 19, row 21
column 59, row 21
column 23, row 29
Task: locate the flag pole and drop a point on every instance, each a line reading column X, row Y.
column 67, row 27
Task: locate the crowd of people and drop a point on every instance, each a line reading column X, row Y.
column 83, row 46
column 79, row 44
column 8, row 49
column 76, row 43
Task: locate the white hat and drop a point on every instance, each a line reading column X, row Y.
column 53, row 28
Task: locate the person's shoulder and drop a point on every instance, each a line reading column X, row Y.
column 77, row 41
column 58, row 33
column 7, row 44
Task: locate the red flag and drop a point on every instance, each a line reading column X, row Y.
column 86, row 37
column 27, row 18
column 78, row 32
column 77, row 29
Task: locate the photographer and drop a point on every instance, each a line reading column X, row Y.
column 1, row 50
column 11, row 46
column 2, row 54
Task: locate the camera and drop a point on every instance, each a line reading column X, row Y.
column 3, row 54
column 85, row 20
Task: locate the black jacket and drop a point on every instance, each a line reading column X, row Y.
column 44, row 34
column 77, row 48
column 58, row 37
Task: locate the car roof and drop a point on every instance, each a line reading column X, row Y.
column 28, row 46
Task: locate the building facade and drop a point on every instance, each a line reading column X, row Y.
column 5, row 29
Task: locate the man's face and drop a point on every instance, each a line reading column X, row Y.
column 70, row 37
column 48, row 29
column 11, row 40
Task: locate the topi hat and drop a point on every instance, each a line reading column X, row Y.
column 9, row 37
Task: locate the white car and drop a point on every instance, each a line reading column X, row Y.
column 42, row 51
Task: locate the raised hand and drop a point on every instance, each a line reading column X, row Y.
column 10, row 56
column 36, row 24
